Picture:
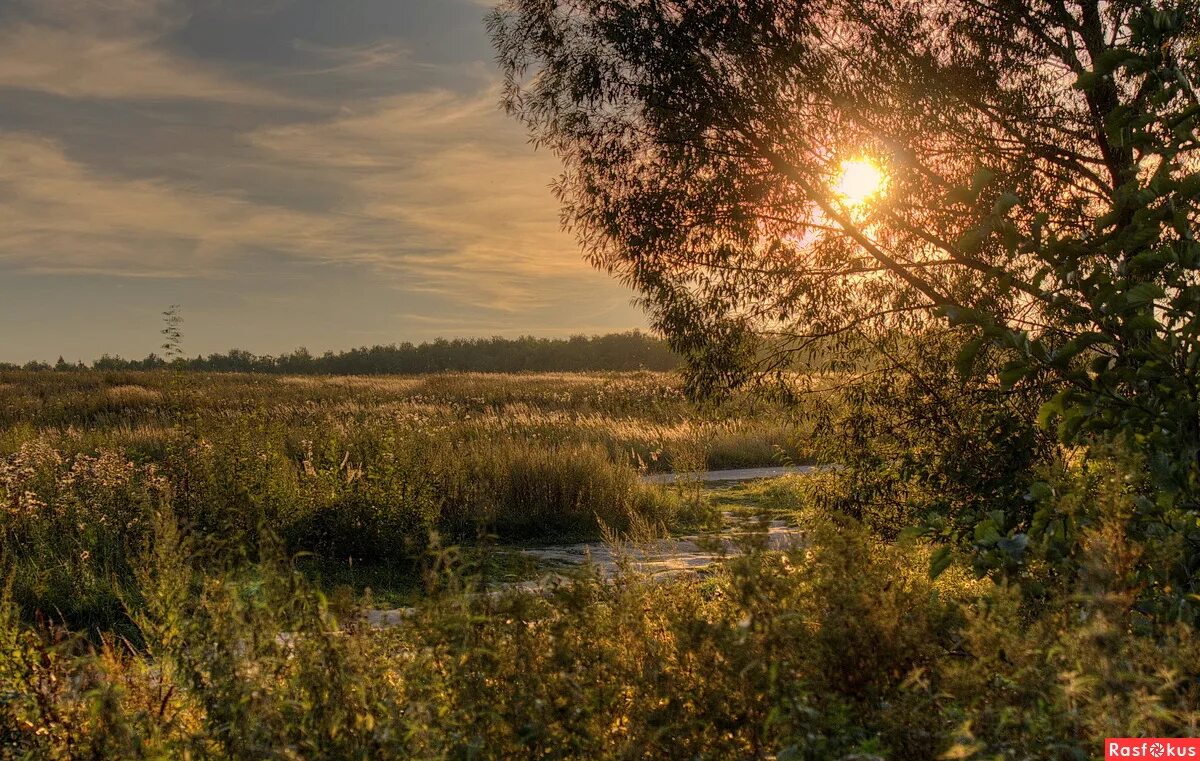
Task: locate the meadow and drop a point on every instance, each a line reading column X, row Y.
column 187, row 560
column 356, row 473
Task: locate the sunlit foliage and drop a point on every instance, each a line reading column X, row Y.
column 1042, row 165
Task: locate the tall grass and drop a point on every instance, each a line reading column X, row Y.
column 640, row 418
column 841, row 649
column 351, row 470
column 151, row 608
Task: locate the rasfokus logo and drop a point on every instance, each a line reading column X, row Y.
column 1151, row 747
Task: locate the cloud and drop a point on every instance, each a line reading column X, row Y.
column 104, row 16
column 456, row 174
column 290, row 178
column 435, row 191
column 357, row 59
column 112, row 49
column 57, row 216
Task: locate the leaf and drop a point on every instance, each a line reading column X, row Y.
column 1011, row 236
column 972, row 240
column 1147, row 261
column 1052, row 408
column 940, row 561
column 1144, row 293
column 1005, row 203
column 1086, row 81
column 964, row 363
column 1039, row 491
column 1092, row 338
column 1013, row 372
column 1014, row 547
column 981, row 179
column 1079, row 343
column 1110, row 59
column 1142, row 321
column 908, row 533
column 960, row 315
column 986, row 532
column 1073, row 418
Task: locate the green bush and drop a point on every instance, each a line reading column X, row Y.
column 343, row 476
column 72, row 529
column 152, row 610
column 724, row 668
column 842, row 648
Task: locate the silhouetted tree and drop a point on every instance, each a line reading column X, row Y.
column 1042, row 191
column 618, row 351
column 172, row 333
column 1040, row 160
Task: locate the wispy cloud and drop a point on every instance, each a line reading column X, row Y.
column 452, row 171
column 355, row 59
column 112, row 49
column 340, row 159
column 434, row 189
column 59, row 216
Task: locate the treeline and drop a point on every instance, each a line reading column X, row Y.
column 617, row 351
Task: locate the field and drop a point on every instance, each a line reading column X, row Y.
column 189, row 561
column 360, row 474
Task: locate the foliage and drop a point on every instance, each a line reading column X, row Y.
column 152, row 611
column 361, row 474
column 172, row 333
column 922, row 451
column 71, row 528
column 616, row 351
column 1043, row 188
column 843, row 648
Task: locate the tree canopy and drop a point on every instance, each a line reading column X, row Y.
column 1040, row 161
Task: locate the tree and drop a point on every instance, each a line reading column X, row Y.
column 1041, row 197
column 172, row 333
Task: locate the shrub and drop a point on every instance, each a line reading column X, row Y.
column 72, row 529
column 521, row 491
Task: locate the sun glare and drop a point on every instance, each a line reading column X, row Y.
column 860, row 181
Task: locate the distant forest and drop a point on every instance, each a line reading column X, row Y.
column 617, row 351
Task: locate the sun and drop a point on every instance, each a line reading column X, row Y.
column 860, row 181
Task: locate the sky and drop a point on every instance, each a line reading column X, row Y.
column 318, row 173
